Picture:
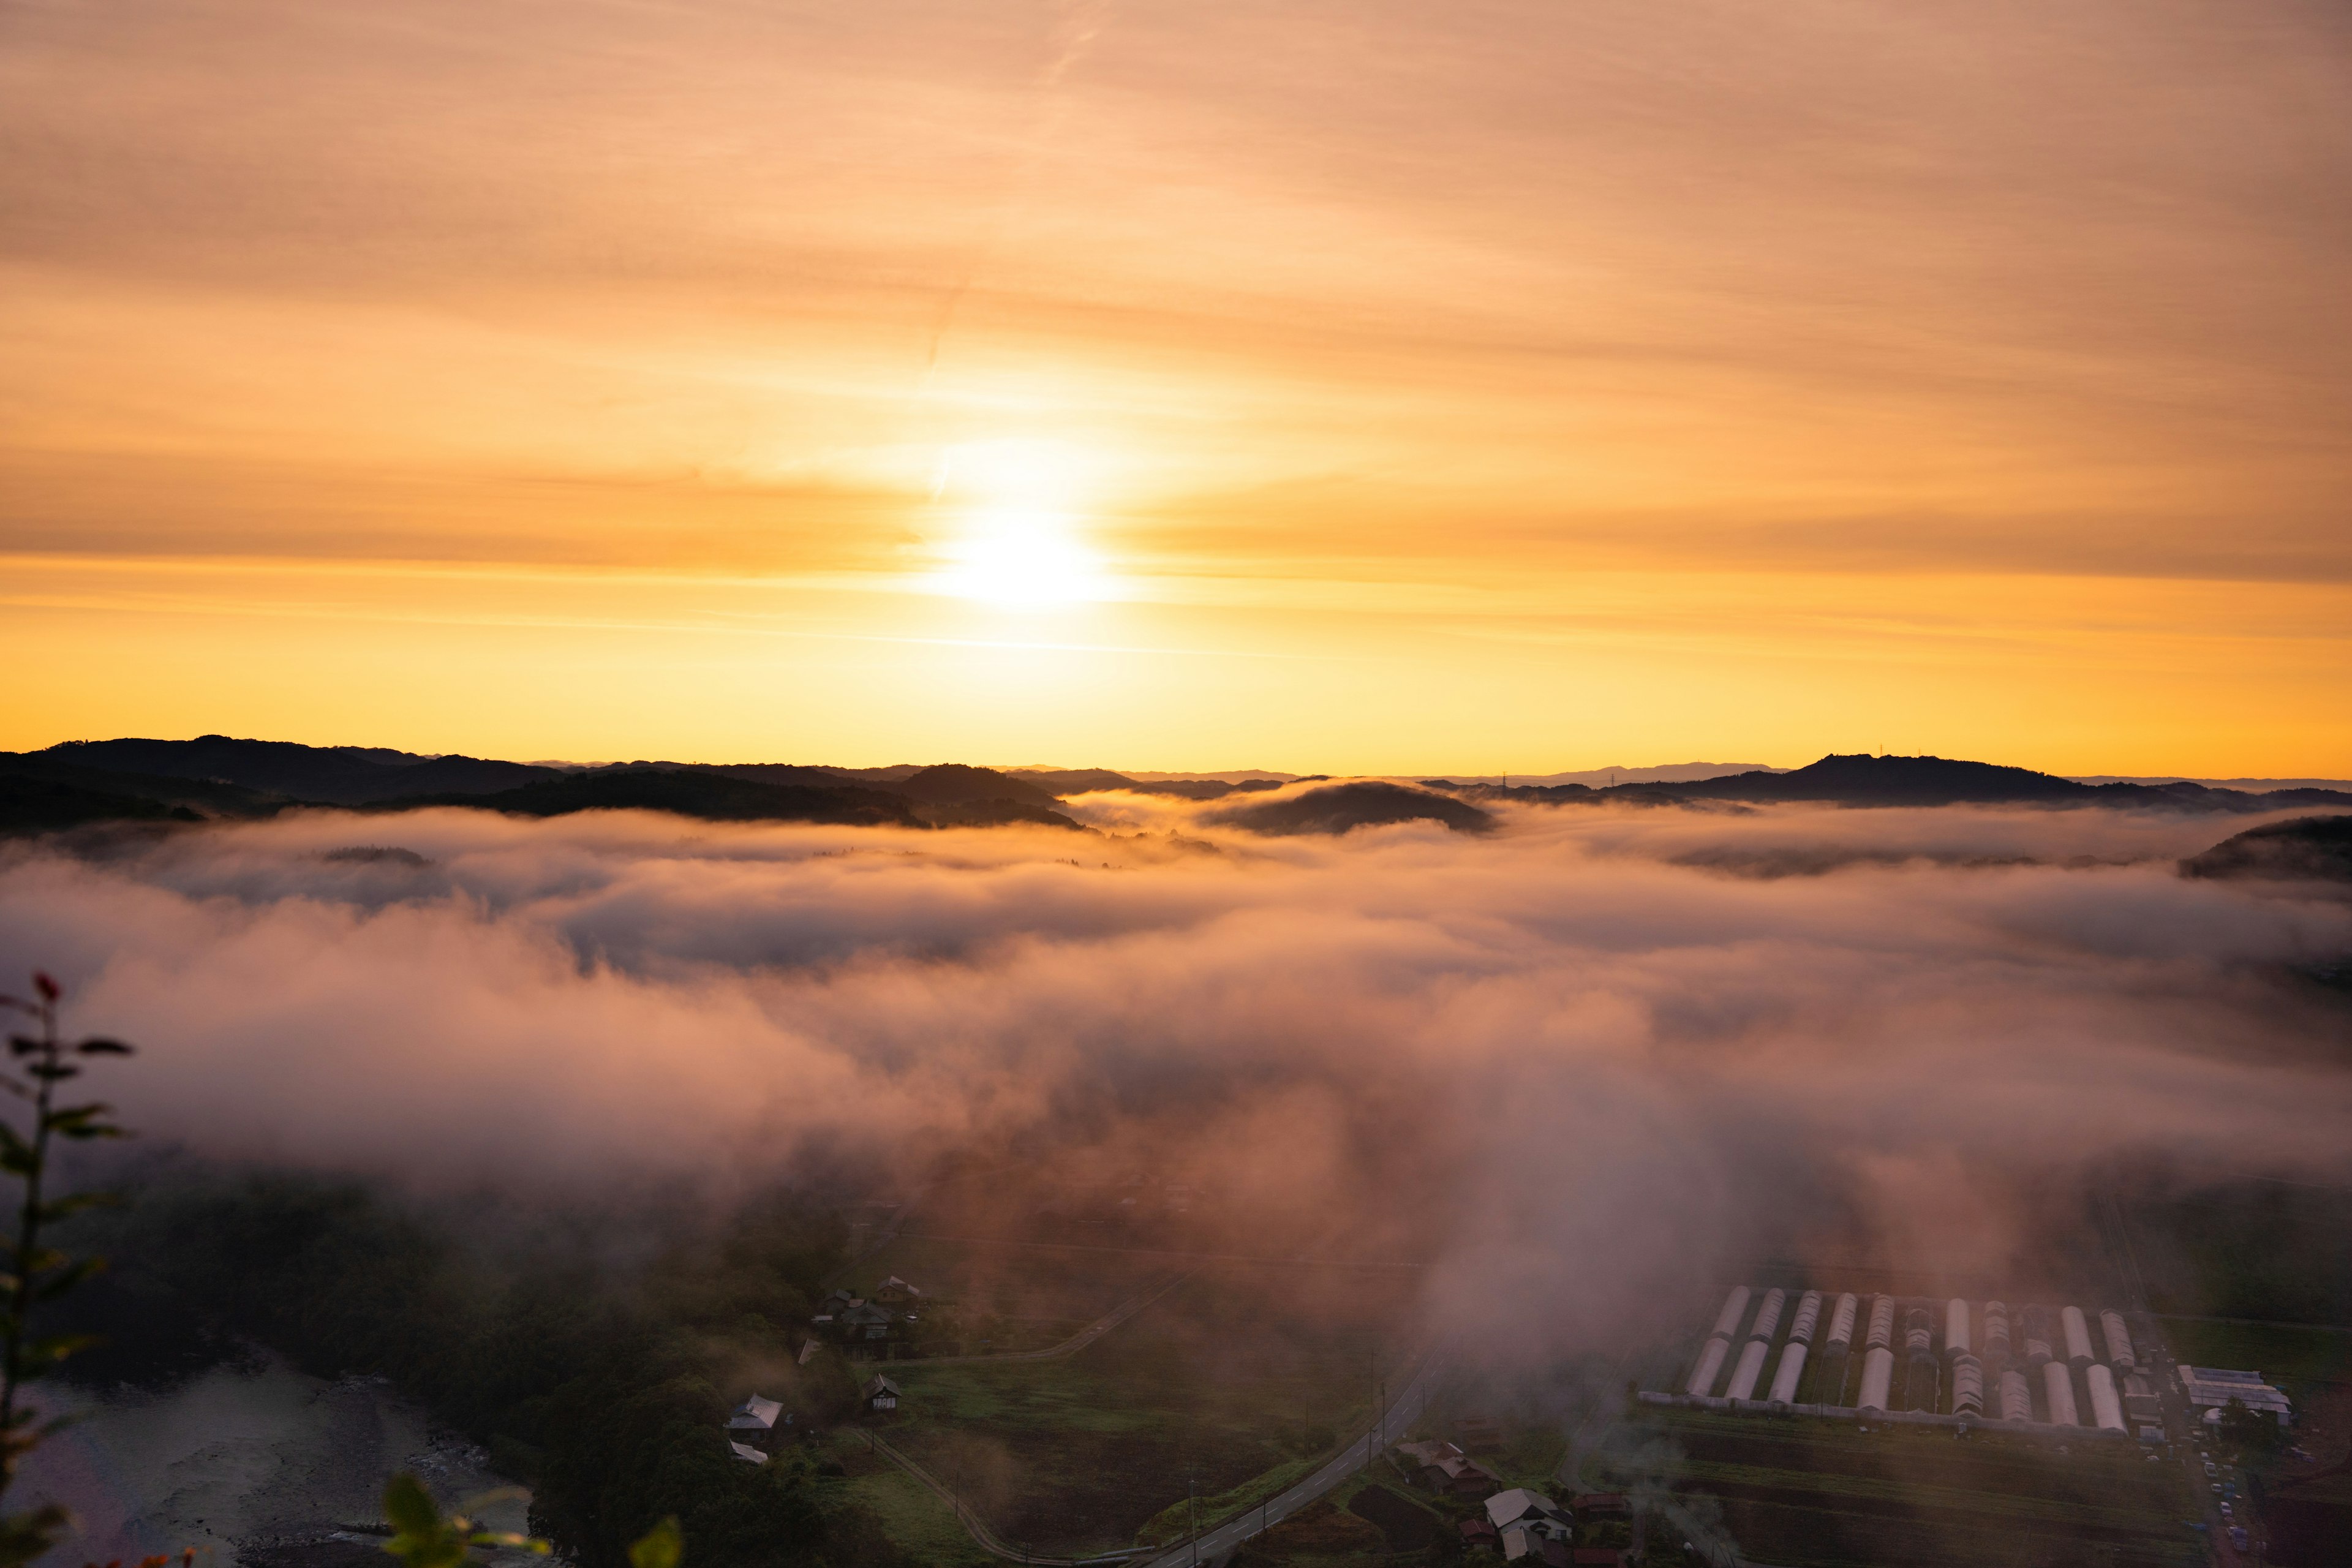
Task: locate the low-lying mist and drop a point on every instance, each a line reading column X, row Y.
column 1584, row 1063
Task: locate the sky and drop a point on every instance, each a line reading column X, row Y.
column 1333, row 387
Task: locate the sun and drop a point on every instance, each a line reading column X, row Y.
column 1018, row 544
column 1024, row 559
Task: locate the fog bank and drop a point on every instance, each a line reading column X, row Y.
column 1584, row 1060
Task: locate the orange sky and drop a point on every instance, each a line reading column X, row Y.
column 1335, row 386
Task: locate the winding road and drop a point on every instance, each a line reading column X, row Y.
column 1394, row 1422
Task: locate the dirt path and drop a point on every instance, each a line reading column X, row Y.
column 1075, row 1343
column 989, row 1540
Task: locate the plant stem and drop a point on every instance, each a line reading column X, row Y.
column 29, row 1234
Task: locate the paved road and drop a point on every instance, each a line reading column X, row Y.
column 1394, row 1422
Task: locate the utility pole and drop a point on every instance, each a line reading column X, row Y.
column 1191, row 1520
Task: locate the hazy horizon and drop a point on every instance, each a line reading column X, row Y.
column 1351, row 387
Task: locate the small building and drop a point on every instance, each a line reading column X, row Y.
column 1478, row 1533
column 755, row 1422
column 1519, row 1509
column 896, row 1292
column 2140, row 1402
column 879, row 1393
column 1463, row 1478
column 1479, row 1435
column 2210, row 1388
column 1418, row 1456
column 1601, row 1505
column 865, row 1321
column 808, row 1349
column 750, row 1456
column 1523, row 1545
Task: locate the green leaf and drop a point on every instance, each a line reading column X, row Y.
column 52, row 1290
column 410, row 1507
column 57, row 1347
column 82, row 1121
column 56, row 1072
column 508, row 1538
column 23, row 1045
column 73, row 1204
column 25, row 1536
column 103, row 1048
column 659, row 1547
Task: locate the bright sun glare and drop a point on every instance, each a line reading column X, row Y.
column 1018, row 546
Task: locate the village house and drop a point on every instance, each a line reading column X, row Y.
column 896, row 1292
column 1464, row 1477
column 1521, row 1510
column 1523, row 1545
column 864, row 1324
column 1479, row 1435
column 879, row 1394
column 1440, row 1466
column 756, row 1422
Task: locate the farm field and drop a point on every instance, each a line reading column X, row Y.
column 2289, row 1356
column 1013, row 1297
column 1239, row 1371
column 912, row 1518
column 2271, row 1250
column 1823, row 1495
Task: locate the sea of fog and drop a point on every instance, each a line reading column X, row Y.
column 1586, row 1062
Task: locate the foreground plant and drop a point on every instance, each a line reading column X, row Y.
column 425, row 1538
column 35, row 1273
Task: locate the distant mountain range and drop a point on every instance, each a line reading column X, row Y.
column 215, row 776
column 1867, row 780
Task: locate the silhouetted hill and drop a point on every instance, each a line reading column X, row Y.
column 1073, row 781
column 1363, row 803
column 2309, row 848
column 957, row 784
column 44, row 805
column 706, row 793
column 780, row 773
column 197, row 798
column 343, row 776
column 1887, row 780
column 992, row 814
column 1867, row 780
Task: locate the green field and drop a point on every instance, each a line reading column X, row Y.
column 1238, row 1372
column 911, row 1516
column 2247, row 1249
column 1825, row 1495
column 2288, row 1356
